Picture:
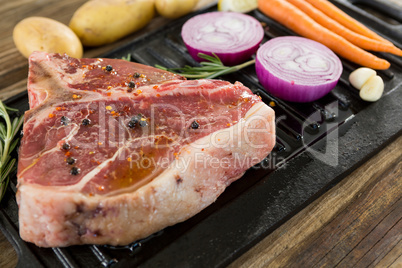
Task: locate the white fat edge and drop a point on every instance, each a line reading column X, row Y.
column 254, row 109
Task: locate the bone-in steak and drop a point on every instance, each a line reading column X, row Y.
column 114, row 151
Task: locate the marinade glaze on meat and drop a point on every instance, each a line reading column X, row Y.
column 113, row 150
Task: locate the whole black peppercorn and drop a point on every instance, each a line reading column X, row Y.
column 86, row 122
column 109, row 68
column 70, row 160
column 131, row 124
column 75, row 171
column 143, row 123
column 136, row 118
column 136, row 75
column 195, row 125
column 64, row 120
column 66, row 146
column 131, row 84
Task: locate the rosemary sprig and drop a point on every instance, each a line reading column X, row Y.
column 127, row 58
column 8, row 142
column 211, row 68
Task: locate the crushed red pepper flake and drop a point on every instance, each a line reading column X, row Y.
column 77, row 96
column 51, row 115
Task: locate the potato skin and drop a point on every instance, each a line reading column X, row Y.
column 173, row 9
column 44, row 34
column 100, row 22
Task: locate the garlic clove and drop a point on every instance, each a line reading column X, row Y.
column 360, row 76
column 372, row 90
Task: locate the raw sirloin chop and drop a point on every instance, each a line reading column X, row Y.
column 114, row 151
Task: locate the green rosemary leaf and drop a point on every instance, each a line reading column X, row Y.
column 10, row 109
column 8, row 131
column 3, row 187
column 14, row 144
column 211, row 68
column 127, row 58
column 213, row 58
column 8, row 168
column 3, row 131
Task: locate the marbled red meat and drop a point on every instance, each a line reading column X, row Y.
column 113, row 151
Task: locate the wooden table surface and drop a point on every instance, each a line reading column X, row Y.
column 357, row 223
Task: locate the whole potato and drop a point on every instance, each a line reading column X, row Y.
column 44, row 34
column 173, row 9
column 100, row 22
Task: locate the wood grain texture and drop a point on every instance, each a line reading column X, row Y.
column 358, row 223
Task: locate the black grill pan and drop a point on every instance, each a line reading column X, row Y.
column 318, row 144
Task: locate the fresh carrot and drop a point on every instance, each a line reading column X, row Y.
column 355, row 38
column 295, row 19
column 335, row 13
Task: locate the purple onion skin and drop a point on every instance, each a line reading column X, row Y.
column 286, row 91
column 241, row 44
column 228, row 59
column 289, row 90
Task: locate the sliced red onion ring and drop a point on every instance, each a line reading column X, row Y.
column 297, row 69
column 233, row 37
